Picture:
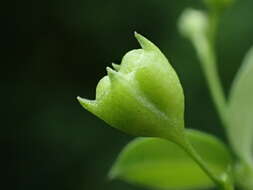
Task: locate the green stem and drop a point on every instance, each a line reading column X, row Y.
column 213, row 26
column 244, row 174
column 222, row 182
column 207, row 57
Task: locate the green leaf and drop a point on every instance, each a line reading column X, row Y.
column 240, row 113
column 161, row 164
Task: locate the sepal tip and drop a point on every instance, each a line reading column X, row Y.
column 144, row 42
column 111, row 73
column 116, row 66
column 90, row 105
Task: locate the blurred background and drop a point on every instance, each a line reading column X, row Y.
column 55, row 50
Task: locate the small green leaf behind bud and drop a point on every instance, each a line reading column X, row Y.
column 143, row 97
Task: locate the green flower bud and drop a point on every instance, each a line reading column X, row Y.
column 142, row 96
column 193, row 23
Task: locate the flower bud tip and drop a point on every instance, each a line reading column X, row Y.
column 111, row 73
column 80, row 100
column 116, row 66
column 87, row 104
column 144, row 42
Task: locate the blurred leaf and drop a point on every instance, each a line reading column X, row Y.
column 160, row 164
column 240, row 113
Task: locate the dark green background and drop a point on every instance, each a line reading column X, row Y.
column 58, row 49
